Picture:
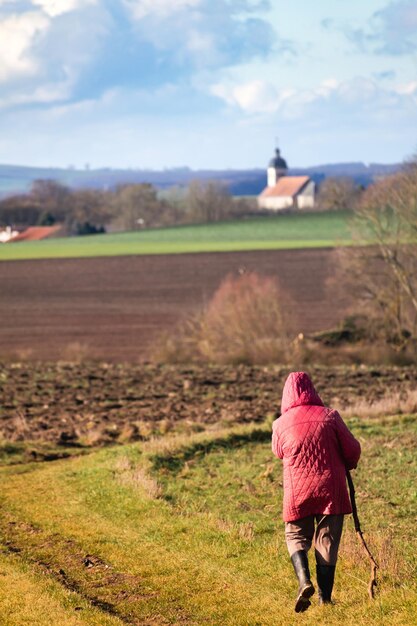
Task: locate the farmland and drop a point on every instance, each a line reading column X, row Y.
column 145, row 494
column 114, row 308
column 291, row 231
column 74, row 406
column 185, row 528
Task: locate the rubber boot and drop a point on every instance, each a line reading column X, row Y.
column 305, row 586
column 325, row 580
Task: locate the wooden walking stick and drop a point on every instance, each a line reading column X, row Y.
column 374, row 565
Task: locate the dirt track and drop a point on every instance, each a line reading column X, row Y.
column 112, row 308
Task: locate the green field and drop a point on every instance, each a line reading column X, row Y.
column 288, row 231
column 188, row 530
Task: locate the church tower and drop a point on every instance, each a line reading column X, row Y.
column 277, row 168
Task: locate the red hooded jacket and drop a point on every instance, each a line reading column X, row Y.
column 317, row 447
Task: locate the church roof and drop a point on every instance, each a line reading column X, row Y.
column 286, row 186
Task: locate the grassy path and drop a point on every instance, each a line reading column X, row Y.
column 27, row 596
column 188, row 531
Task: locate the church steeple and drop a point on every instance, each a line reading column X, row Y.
column 277, row 167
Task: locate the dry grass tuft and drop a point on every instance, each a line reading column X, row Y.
column 24, row 354
column 175, row 443
column 138, row 476
column 166, row 425
column 123, row 464
column 76, row 352
column 393, row 568
column 165, row 446
column 145, row 429
column 20, row 427
column 92, row 437
column 225, row 525
column 246, row 531
column 395, row 404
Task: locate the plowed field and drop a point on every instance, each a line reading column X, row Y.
column 113, row 308
column 91, row 404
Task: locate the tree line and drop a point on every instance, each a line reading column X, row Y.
column 136, row 206
column 128, row 207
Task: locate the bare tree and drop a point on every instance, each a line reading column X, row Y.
column 52, row 197
column 89, row 211
column 382, row 272
column 338, row 192
column 19, row 211
column 138, row 206
column 208, row 201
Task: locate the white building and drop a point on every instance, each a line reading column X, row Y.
column 7, row 234
column 286, row 192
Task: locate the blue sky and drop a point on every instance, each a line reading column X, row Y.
column 207, row 83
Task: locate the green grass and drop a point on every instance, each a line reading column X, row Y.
column 28, row 597
column 289, row 231
column 207, row 546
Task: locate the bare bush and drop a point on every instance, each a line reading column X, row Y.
column 248, row 320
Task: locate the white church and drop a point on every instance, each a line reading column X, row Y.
column 286, row 192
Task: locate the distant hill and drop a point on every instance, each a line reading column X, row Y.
column 18, row 179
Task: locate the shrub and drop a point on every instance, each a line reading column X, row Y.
column 247, row 321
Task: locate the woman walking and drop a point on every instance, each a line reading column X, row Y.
column 317, row 448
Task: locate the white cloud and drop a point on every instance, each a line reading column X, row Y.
column 391, row 30
column 196, row 34
column 54, row 8
column 257, row 96
column 43, row 94
column 44, row 52
column 158, row 8
column 358, row 90
column 97, row 45
column 262, row 97
column 200, row 43
column 17, row 34
column 407, row 88
column 348, row 97
column 395, row 27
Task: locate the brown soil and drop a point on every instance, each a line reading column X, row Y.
column 113, row 308
column 92, row 404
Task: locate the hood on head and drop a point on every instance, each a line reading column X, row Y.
column 299, row 390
